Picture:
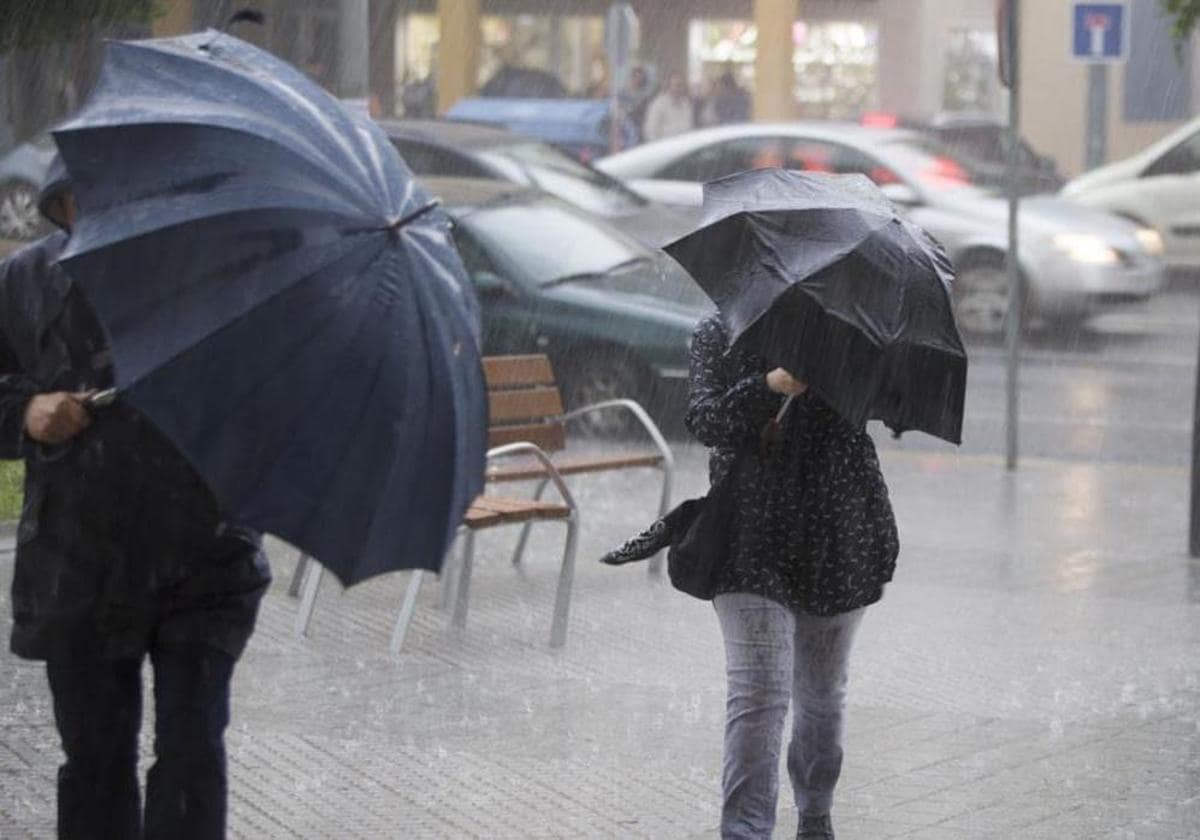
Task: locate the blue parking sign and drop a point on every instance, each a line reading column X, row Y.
column 1100, row 31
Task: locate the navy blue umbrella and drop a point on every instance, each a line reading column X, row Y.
column 281, row 298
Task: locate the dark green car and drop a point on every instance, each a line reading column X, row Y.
column 614, row 316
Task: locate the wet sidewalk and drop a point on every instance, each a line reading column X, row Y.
column 1032, row 672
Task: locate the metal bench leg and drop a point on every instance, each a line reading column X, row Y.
column 302, row 562
column 312, row 582
column 664, row 506
column 463, row 585
column 566, row 578
column 448, row 577
column 407, row 608
column 519, row 551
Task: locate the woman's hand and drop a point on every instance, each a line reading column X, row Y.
column 782, row 382
column 56, row 418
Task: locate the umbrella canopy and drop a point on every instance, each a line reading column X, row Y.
column 818, row 274
column 281, row 299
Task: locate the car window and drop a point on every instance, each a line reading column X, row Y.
column 726, row 158
column 822, row 156
column 801, row 154
column 436, row 161
column 929, row 164
column 558, row 174
column 1182, row 159
column 568, row 242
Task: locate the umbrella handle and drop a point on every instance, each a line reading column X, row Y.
column 770, row 432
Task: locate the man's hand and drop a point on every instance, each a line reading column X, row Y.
column 782, row 382
column 56, row 418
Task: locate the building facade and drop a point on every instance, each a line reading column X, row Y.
column 811, row 59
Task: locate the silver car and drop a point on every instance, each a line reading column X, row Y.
column 1074, row 260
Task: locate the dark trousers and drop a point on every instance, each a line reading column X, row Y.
column 98, row 709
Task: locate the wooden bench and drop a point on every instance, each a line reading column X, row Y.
column 524, row 403
column 526, row 424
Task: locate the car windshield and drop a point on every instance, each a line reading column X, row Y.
column 572, row 248
column 932, row 166
column 545, row 241
column 559, row 175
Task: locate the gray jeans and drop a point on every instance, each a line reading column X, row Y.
column 773, row 655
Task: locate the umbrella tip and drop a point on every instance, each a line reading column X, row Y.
column 413, row 216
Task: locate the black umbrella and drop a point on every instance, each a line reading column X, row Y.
column 282, row 300
column 818, row 274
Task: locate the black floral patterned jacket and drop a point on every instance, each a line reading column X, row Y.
column 813, row 527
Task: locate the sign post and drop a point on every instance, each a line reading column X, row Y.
column 1099, row 37
column 620, row 43
column 1008, row 27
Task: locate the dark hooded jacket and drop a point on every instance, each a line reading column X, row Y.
column 120, row 543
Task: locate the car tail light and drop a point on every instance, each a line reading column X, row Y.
column 944, row 172
column 880, row 119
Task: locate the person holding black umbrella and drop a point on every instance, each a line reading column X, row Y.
column 812, row 543
column 121, row 554
column 832, row 310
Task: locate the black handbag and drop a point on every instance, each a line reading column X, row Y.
column 700, row 541
column 696, row 534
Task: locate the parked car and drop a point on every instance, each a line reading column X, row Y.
column 614, row 315
column 21, row 174
column 1074, row 260
column 579, row 127
column 982, row 140
column 1159, row 187
column 463, row 150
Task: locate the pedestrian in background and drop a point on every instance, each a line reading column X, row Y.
column 812, row 543
column 121, row 554
column 635, row 99
column 730, row 101
column 672, row 112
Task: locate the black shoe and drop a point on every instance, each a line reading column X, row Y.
column 642, row 547
column 815, row 828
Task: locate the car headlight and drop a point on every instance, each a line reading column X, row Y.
column 1151, row 241
column 1086, row 248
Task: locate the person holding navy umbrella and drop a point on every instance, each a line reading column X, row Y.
column 122, row 555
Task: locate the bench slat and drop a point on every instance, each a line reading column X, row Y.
column 487, row 511
column 522, row 470
column 525, row 404
column 552, row 437
column 517, row 371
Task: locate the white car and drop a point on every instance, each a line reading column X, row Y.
column 1074, row 259
column 1158, row 187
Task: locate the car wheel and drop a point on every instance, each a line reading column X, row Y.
column 596, row 378
column 19, row 217
column 981, row 297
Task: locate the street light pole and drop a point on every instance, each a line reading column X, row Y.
column 1013, row 323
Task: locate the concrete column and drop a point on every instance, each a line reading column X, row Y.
column 176, row 19
column 774, row 75
column 458, row 51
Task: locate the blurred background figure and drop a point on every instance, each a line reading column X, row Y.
column 672, row 112
column 730, row 101
column 635, row 98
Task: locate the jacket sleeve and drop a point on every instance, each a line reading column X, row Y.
column 16, row 390
column 724, row 412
